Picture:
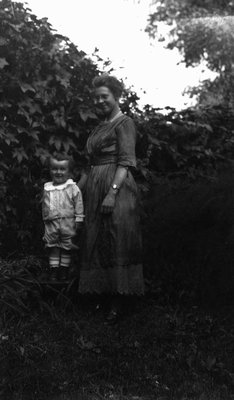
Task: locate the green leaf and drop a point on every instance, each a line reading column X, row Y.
column 3, row 63
column 25, row 87
column 20, row 154
column 34, row 134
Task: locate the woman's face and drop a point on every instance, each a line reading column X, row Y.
column 104, row 101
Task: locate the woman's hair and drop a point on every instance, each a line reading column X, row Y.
column 61, row 156
column 111, row 82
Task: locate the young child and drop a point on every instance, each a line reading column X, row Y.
column 63, row 214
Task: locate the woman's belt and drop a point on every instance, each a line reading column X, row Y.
column 102, row 161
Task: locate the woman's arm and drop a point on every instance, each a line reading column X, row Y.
column 119, row 177
column 126, row 140
column 109, row 201
column 83, row 178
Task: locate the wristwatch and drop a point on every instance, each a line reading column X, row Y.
column 115, row 187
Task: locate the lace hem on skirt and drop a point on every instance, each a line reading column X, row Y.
column 121, row 280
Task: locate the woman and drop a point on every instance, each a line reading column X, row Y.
column 112, row 240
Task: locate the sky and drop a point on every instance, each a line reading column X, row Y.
column 117, row 29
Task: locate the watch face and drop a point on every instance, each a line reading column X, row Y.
column 115, row 187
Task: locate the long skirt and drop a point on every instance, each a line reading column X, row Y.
column 112, row 245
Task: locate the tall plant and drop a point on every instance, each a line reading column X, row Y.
column 45, row 104
column 203, row 32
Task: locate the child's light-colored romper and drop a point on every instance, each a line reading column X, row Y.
column 62, row 207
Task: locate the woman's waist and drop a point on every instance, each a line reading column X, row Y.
column 102, row 160
column 102, row 176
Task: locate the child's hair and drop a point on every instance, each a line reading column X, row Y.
column 61, row 156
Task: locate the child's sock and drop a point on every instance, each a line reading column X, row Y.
column 65, row 260
column 54, row 261
column 54, row 257
column 54, row 267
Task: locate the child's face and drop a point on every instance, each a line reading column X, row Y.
column 59, row 171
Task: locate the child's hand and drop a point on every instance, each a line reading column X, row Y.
column 79, row 226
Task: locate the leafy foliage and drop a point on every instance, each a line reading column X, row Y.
column 23, row 291
column 17, row 282
column 185, row 171
column 45, row 104
column 188, row 240
column 202, row 31
column 170, row 11
column 192, row 143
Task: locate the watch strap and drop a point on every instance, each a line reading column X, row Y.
column 115, row 187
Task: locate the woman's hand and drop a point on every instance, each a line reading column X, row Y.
column 108, row 203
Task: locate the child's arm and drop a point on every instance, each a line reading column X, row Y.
column 79, row 207
column 42, row 201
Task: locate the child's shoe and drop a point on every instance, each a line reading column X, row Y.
column 44, row 276
column 63, row 273
column 54, row 274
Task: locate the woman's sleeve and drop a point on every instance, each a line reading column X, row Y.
column 126, row 142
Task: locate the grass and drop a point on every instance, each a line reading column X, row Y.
column 157, row 351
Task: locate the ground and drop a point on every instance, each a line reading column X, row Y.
column 63, row 350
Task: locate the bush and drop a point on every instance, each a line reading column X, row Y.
column 18, row 283
column 45, row 106
column 188, row 239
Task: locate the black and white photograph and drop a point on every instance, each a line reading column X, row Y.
column 117, row 200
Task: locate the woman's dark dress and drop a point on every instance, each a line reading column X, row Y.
column 112, row 242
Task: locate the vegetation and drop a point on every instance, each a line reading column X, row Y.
column 46, row 104
column 203, row 32
column 65, row 351
column 45, row 101
column 55, row 344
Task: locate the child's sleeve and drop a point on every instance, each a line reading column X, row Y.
column 78, row 204
column 43, row 207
